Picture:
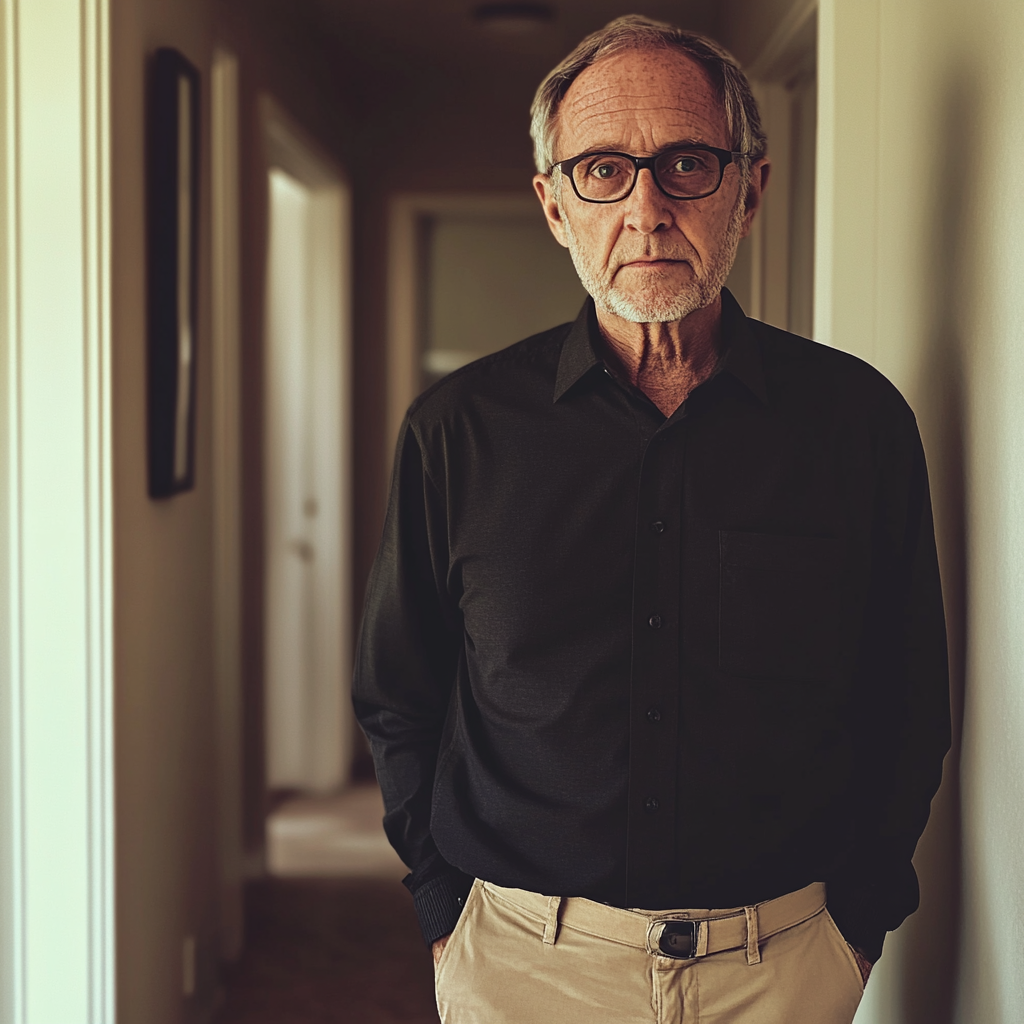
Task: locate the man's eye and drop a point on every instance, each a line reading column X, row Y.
column 604, row 171
column 685, row 165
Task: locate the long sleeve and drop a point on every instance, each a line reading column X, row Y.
column 910, row 722
column 404, row 675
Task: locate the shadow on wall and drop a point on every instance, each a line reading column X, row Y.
column 930, row 972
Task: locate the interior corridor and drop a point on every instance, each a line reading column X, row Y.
column 189, row 831
column 331, row 937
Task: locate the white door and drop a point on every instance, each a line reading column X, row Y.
column 307, row 657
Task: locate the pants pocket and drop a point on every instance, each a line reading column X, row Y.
column 845, row 952
column 443, row 968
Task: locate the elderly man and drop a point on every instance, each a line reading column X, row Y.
column 653, row 660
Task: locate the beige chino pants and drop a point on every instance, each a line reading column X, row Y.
column 517, row 957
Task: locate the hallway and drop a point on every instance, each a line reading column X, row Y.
column 138, row 797
column 330, row 951
column 331, row 937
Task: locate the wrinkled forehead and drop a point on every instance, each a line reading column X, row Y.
column 638, row 101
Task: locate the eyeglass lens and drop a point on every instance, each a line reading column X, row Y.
column 686, row 173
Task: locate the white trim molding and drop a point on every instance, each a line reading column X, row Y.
column 848, row 176
column 56, row 674
column 227, row 485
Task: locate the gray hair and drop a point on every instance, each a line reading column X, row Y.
column 635, row 32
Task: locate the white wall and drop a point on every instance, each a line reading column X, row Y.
column 920, row 257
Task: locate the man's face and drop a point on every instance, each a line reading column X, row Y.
column 647, row 258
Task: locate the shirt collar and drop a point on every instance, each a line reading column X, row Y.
column 581, row 350
column 742, row 353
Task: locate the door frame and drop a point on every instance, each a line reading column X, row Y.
column 787, row 54
column 404, row 214
column 226, row 388
column 57, row 951
column 288, row 147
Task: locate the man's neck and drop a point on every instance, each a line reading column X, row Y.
column 665, row 361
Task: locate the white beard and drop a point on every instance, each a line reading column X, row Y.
column 651, row 305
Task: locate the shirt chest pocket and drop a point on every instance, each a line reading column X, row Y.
column 778, row 606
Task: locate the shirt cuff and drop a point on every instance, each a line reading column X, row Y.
column 865, row 938
column 439, row 903
column 865, row 909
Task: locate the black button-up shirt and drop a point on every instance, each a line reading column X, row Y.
column 694, row 661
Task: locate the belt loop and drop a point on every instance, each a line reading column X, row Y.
column 703, row 927
column 551, row 925
column 753, row 950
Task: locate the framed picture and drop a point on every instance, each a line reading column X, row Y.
column 173, row 223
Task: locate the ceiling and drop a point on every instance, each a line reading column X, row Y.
column 426, row 71
column 430, row 98
column 445, row 31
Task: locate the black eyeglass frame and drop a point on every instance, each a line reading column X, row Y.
column 724, row 156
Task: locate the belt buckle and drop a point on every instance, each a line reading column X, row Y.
column 678, row 939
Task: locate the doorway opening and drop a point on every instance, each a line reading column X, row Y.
column 307, row 444
column 468, row 275
column 773, row 277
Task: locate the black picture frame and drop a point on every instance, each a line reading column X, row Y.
column 172, row 241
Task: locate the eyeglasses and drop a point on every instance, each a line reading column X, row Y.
column 681, row 172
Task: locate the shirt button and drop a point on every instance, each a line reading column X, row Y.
column 654, row 714
column 654, row 622
column 658, row 526
column 651, row 804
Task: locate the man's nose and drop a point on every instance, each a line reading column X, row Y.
column 648, row 208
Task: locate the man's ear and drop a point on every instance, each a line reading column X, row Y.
column 544, row 186
column 759, row 174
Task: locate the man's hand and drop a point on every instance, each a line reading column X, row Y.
column 863, row 962
column 437, row 948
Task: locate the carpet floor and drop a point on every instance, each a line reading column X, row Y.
column 330, row 951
